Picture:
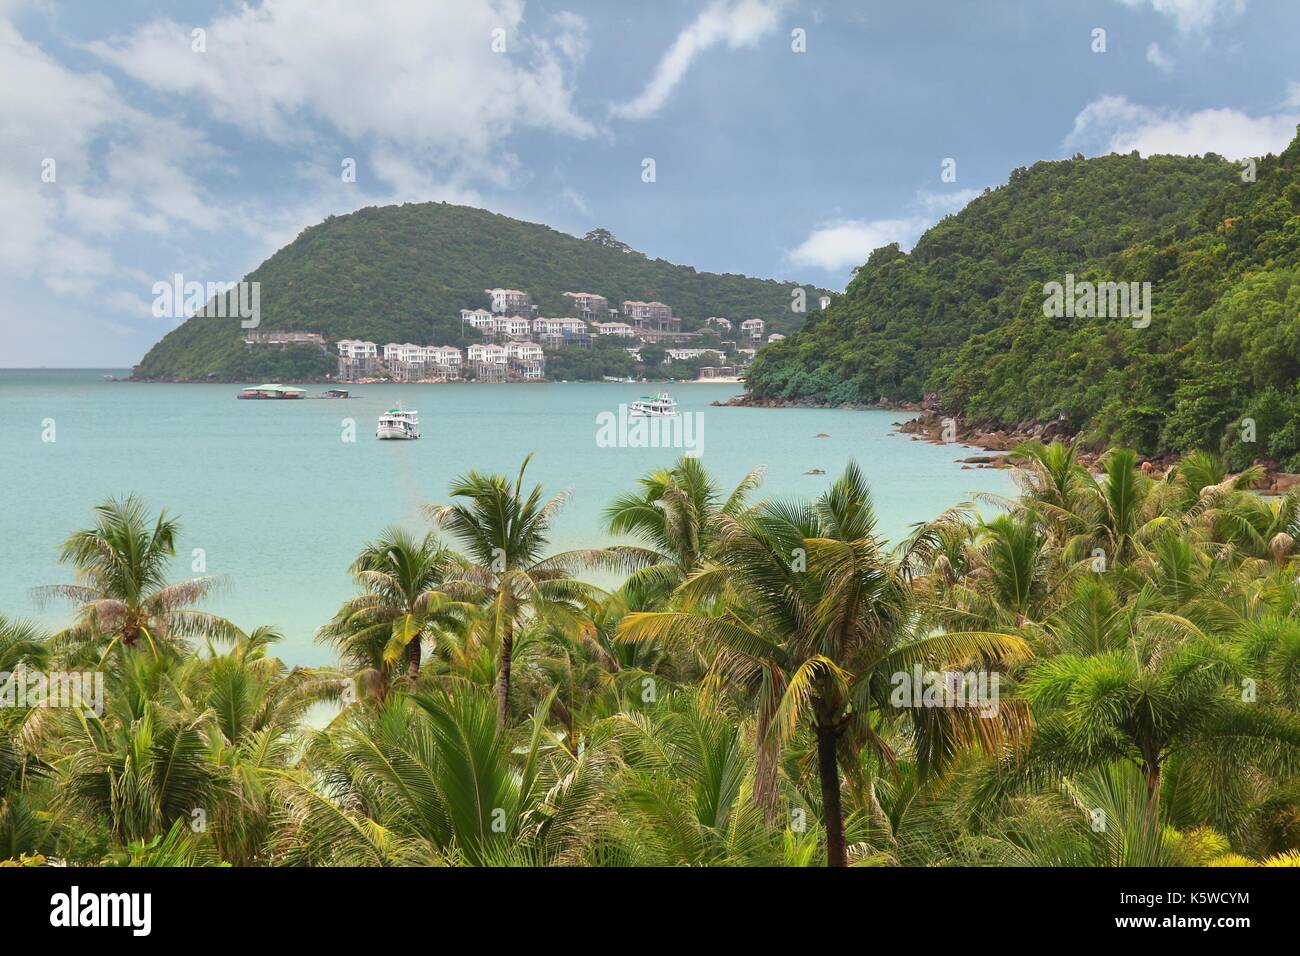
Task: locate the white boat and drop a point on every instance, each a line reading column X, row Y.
column 658, row 406
column 398, row 423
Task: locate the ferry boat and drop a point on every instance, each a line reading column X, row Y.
column 658, row 406
column 398, row 423
column 273, row 392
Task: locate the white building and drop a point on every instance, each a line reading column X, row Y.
column 590, row 304
column 678, row 355
column 447, row 355
column 514, row 326
column 560, row 326
column 614, row 328
column 488, row 362
column 357, row 349
column 508, row 300
column 719, row 321
column 478, row 318
column 357, row 358
column 753, row 328
column 495, row 354
column 526, row 359
column 775, row 337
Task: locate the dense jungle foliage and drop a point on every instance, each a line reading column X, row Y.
column 962, row 314
column 1106, row 673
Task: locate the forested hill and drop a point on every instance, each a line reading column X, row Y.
column 962, row 315
column 403, row 273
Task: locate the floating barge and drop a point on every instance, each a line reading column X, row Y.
column 272, row 391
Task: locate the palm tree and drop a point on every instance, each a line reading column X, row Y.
column 1170, row 691
column 674, row 514
column 406, row 597
column 433, row 778
column 142, row 765
column 682, row 788
column 122, row 590
column 822, row 624
column 504, row 533
column 254, row 706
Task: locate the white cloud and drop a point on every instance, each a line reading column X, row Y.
column 737, row 23
column 943, row 203
column 1116, row 124
column 419, row 78
column 849, row 242
column 1159, row 59
column 1192, row 16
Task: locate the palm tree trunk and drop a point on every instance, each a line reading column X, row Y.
column 413, row 658
column 832, row 812
column 1151, row 768
column 765, row 770
column 503, row 676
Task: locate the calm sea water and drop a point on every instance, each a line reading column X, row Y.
column 280, row 504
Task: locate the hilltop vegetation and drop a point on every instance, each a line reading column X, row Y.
column 961, row 316
column 403, row 273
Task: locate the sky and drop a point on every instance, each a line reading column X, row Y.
column 787, row 138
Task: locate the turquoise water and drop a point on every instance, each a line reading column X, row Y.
column 280, row 504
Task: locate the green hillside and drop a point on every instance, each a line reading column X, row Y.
column 403, row 273
column 962, row 314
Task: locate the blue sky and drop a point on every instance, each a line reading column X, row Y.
column 767, row 162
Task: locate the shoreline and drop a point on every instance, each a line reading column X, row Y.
column 930, row 424
column 384, row 381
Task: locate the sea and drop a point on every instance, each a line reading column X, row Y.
column 275, row 498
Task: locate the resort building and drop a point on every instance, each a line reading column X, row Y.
column 560, row 326
column 614, row 328
column 488, row 362
column 589, row 305
column 512, row 327
column 775, row 337
column 508, row 301
column 679, row 355
column 719, row 321
column 480, row 319
column 753, row 328
column 651, row 316
column 526, row 359
column 357, row 358
column 444, row 361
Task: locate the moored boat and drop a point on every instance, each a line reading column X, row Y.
column 399, row 423
column 657, row 406
column 272, row 392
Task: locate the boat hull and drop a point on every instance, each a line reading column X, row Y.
column 391, row 433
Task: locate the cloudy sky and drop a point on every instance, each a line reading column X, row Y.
column 203, row 152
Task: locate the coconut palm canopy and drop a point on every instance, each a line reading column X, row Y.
column 769, row 683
